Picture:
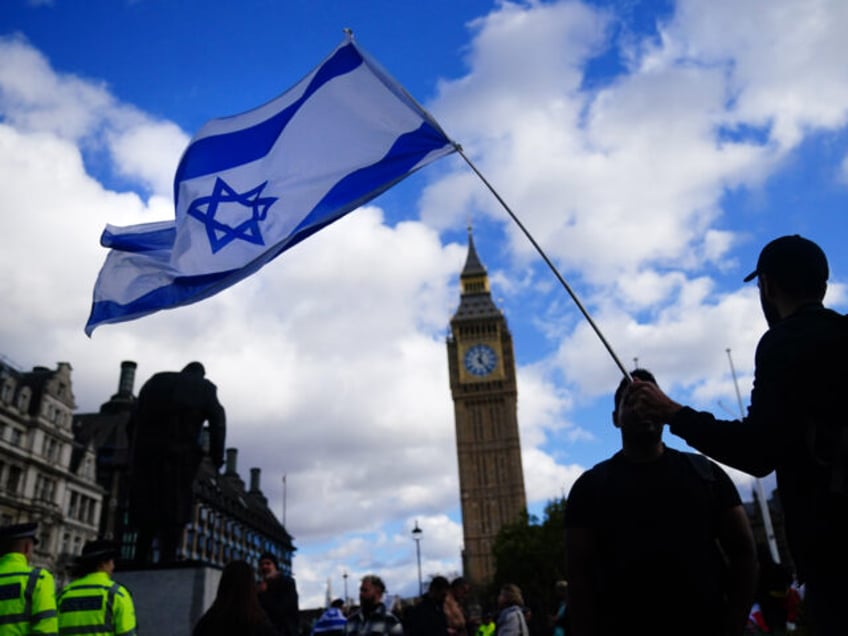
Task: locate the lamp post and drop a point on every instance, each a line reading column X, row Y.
column 344, row 576
column 416, row 536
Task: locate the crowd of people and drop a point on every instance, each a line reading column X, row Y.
column 442, row 611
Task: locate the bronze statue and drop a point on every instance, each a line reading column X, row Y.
column 166, row 454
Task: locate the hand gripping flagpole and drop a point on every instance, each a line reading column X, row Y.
column 548, row 261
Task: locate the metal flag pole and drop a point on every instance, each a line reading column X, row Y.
column 547, row 260
column 509, row 211
column 761, row 495
column 284, row 500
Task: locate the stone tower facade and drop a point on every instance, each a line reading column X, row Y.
column 483, row 386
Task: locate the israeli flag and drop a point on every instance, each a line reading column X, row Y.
column 250, row 186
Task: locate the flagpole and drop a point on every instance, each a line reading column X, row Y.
column 284, row 500
column 548, row 261
column 764, row 509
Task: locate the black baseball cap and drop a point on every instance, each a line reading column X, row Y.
column 792, row 256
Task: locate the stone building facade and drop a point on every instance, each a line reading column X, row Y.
column 44, row 475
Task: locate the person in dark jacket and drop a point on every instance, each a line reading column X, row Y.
column 278, row 596
column 427, row 618
column 166, row 453
column 796, row 423
column 236, row 608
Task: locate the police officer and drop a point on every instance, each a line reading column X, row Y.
column 94, row 603
column 27, row 594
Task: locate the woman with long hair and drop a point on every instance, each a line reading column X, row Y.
column 511, row 619
column 236, row 608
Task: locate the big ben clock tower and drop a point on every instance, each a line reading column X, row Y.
column 482, row 380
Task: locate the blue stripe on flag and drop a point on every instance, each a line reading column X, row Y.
column 363, row 185
column 222, row 152
column 154, row 239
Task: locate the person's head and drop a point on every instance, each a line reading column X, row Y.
column 561, row 589
column 509, row 595
column 337, row 603
column 268, row 565
column 194, row 368
column 460, row 588
column 97, row 556
column 20, row 538
column 237, row 597
column 371, row 590
column 635, row 431
column 438, row 589
column 790, row 270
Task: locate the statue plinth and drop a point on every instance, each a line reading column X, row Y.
column 170, row 598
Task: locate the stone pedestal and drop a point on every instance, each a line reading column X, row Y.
column 170, row 600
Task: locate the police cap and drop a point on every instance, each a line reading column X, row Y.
column 98, row 551
column 19, row 531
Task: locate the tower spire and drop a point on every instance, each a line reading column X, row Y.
column 473, row 266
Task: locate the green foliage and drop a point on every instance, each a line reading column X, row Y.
column 531, row 554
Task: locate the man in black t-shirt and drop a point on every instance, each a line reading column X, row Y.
column 657, row 541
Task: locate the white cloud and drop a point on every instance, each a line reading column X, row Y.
column 149, row 153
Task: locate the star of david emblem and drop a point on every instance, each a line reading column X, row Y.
column 229, row 215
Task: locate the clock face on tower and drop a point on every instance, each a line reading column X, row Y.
column 480, row 360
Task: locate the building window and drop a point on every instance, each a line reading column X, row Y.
column 39, row 486
column 6, row 392
column 23, row 399
column 50, row 448
column 13, row 480
column 17, row 436
column 45, row 488
column 73, row 505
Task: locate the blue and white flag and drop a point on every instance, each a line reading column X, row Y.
column 250, row 186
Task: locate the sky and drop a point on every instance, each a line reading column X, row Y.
column 651, row 148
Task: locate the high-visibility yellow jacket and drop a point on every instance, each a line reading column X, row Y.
column 27, row 597
column 95, row 604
